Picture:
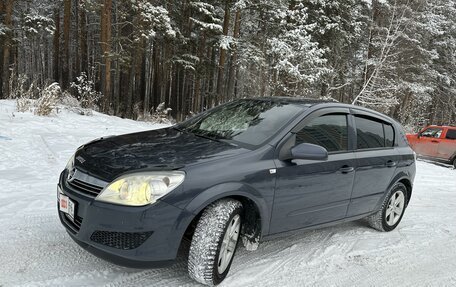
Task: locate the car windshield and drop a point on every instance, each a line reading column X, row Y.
column 250, row 122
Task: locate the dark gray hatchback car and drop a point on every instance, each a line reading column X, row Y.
column 249, row 169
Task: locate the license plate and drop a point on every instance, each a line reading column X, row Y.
column 66, row 205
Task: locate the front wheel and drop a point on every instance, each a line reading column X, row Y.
column 215, row 241
column 454, row 162
column 393, row 208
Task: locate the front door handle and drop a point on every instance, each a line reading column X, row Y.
column 391, row 163
column 346, row 169
column 434, row 141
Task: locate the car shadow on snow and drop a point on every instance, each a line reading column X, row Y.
column 437, row 163
column 310, row 244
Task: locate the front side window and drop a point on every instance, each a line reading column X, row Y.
column 432, row 133
column 328, row 131
column 369, row 133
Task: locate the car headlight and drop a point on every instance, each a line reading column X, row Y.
column 140, row 189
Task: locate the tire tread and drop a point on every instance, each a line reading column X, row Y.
column 206, row 239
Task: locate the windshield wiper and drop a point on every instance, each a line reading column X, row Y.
column 179, row 129
column 197, row 134
column 206, row 137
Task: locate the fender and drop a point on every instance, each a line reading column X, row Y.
column 228, row 189
column 397, row 177
column 452, row 158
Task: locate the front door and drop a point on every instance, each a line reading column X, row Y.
column 310, row 192
column 428, row 142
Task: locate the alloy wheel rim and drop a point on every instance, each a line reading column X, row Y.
column 395, row 208
column 229, row 243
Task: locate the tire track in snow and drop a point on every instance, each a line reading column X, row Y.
column 51, row 155
column 175, row 275
column 47, row 251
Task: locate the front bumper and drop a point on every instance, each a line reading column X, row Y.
column 137, row 237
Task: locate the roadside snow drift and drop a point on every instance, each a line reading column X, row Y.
column 36, row 250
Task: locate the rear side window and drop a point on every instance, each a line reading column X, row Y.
column 451, row 134
column 373, row 134
column 328, row 131
column 369, row 133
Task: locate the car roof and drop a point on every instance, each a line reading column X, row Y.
column 294, row 100
column 309, row 102
column 444, row 126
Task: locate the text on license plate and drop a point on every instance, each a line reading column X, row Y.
column 66, row 205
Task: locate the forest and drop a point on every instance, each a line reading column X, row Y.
column 130, row 57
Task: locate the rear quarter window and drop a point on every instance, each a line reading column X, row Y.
column 389, row 135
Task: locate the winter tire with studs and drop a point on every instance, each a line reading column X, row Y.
column 215, row 241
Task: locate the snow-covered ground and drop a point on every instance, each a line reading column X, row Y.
column 35, row 249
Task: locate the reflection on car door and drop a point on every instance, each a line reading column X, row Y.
column 376, row 160
column 310, row 192
column 427, row 143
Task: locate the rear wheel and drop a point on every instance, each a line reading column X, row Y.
column 393, row 207
column 215, row 241
column 454, row 162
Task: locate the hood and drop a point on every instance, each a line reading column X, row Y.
column 161, row 149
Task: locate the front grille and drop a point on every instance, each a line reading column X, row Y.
column 84, row 187
column 84, row 183
column 120, row 240
column 72, row 225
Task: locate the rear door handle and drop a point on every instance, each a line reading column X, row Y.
column 435, row 141
column 391, row 163
column 346, row 169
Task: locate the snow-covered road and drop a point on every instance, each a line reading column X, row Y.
column 35, row 249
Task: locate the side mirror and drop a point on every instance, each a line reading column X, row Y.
column 309, row 151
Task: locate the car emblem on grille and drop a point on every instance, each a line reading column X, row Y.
column 80, row 159
column 71, row 174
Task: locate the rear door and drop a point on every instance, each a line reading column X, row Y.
column 447, row 144
column 376, row 160
column 311, row 192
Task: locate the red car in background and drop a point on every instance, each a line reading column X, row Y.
column 436, row 142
